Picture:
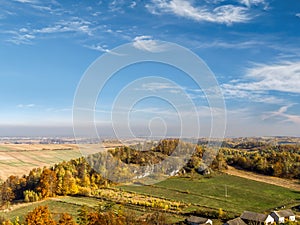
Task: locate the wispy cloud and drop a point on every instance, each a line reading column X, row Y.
column 281, row 112
column 98, row 47
column 27, row 35
column 26, row 105
column 231, row 92
column 298, row 15
column 75, row 24
column 225, row 14
column 231, row 45
column 261, row 79
column 249, row 3
column 155, row 87
column 27, row 1
column 147, row 43
column 281, row 76
column 133, row 4
column 20, row 37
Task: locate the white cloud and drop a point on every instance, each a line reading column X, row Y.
column 146, row 43
column 154, row 87
column 281, row 112
column 231, row 92
column 282, row 76
column 263, row 78
column 26, row 35
column 98, row 47
column 23, row 30
column 26, row 105
column 232, row 45
column 73, row 25
column 248, row 3
column 26, row 1
column 43, row 8
column 20, row 38
column 117, row 5
column 226, row 14
column 298, row 15
column 133, row 4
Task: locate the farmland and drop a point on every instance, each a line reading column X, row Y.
column 198, row 194
column 231, row 193
column 189, row 193
column 71, row 205
column 19, row 159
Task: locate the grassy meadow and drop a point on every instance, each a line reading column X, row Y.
column 199, row 194
column 242, row 194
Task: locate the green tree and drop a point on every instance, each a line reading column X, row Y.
column 82, row 218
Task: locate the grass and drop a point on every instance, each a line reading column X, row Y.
column 242, row 194
column 201, row 193
column 58, row 205
column 56, row 208
column 71, row 205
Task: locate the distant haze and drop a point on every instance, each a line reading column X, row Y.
column 233, row 130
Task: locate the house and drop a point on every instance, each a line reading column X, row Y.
column 203, row 169
column 236, row 221
column 254, row 218
column 282, row 215
column 195, row 220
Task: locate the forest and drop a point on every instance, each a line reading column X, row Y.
column 77, row 178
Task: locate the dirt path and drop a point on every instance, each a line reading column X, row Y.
column 20, row 205
column 287, row 183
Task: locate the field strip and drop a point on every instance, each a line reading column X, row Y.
column 190, row 193
column 287, row 183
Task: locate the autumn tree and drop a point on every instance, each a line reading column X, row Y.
column 7, row 222
column 66, row 219
column 82, row 218
column 48, row 183
column 7, row 194
column 69, row 184
column 40, row 216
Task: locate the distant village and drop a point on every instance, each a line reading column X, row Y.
column 251, row 218
column 276, row 140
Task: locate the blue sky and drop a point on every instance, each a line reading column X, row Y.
column 252, row 47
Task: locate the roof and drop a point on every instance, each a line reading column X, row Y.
column 196, row 219
column 236, row 221
column 253, row 216
column 285, row 213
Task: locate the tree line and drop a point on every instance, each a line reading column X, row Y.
column 74, row 177
column 104, row 214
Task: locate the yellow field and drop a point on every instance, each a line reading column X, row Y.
column 19, row 159
column 35, row 147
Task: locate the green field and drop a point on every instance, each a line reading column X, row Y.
column 71, row 205
column 200, row 193
column 242, row 194
column 55, row 206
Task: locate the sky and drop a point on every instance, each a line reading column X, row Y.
column 251, row 46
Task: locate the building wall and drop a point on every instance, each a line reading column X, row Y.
column 269, row 220
column 281, row 220
column 292, row 218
